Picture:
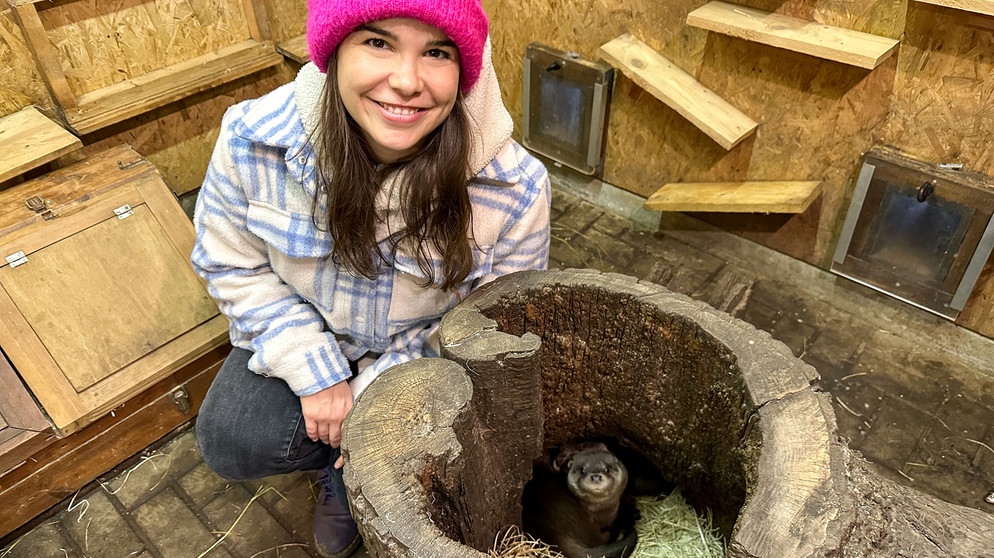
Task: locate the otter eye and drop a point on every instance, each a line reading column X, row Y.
column 583, row 470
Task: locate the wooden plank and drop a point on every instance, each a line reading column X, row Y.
column 69, row 464
column 28, row 139
column 44, row 54
column 23, row 428
column 735, row 197
column 16, row 405
column 717, row 118
column 833, row 43
column 977, row 6
column 135, row 96
column 295, row 49
column 71, row 188
column 257, row 16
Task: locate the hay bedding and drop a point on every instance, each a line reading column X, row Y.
column 669, row 528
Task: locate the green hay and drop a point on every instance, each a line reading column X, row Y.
column 671, row 528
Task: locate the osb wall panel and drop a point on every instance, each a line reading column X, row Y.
column 20, row 83
column 287, row 18
column 179, row 138
column 816, row 117
column 104, row 42
column 943, row 109
column 943, row 104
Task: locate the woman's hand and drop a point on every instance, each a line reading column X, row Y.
column 324, row 412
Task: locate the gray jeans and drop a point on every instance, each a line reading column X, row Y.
column 250, row 426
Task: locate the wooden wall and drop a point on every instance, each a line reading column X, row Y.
column 931, row 100
column 100, row 43
column 21, row 84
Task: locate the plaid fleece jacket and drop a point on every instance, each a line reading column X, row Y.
column 269, row 267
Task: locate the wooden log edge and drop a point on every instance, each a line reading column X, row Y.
column 417, row 402
column 402, row 438
column 809, row 494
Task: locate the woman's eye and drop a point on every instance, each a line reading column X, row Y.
column 376, row 43
column 439, row 53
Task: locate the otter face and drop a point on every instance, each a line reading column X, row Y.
column 594, row 475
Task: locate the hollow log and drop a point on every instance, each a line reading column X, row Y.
column 438, row 450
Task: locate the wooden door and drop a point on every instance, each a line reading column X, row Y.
column 106, row 302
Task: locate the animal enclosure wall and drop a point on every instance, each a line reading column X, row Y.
column 931, row 100
column 98, row 45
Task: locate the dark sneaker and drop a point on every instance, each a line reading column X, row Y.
column 335, row 532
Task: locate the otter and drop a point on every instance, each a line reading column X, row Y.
column 575, row 502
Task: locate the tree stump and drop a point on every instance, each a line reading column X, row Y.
column 438, row 450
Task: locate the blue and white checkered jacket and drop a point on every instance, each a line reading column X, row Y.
column 269, row 267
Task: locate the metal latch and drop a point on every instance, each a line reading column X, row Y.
column 40, row 205
column 182, row 399
column 16, row 259
column 123, row 211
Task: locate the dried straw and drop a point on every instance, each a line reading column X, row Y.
column 516, row 544
column 669, row 528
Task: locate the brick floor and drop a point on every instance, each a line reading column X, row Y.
column 923, row 413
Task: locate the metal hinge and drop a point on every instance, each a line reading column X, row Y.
column 123, row 211
column 16, row 259
column 40, row 206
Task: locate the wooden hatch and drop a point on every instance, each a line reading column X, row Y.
column 97, row 295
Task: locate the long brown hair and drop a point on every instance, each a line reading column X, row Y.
column 434, row 199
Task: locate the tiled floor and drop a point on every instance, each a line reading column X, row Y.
column 912, row 392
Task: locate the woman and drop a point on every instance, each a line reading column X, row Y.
column 341, row 216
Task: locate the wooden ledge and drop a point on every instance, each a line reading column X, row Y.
column 295, row 49
column 135, row 96
column 717, row 118
column 985, row 7
column 735, row 197
column 28, row 139
column 832, row 43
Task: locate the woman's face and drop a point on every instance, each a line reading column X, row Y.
column 399, row 79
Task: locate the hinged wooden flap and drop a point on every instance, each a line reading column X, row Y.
column 106, row 285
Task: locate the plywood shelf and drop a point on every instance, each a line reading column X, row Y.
column 295, row 49
column 832, row 43
column 28, row 139
column 985, row 7
column 721, row 121
column 93, row 110
column 135, row 96
column 735, row 197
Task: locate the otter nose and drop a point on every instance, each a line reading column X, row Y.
column 596, row 477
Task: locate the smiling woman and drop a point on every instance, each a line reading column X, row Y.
column 342, row 215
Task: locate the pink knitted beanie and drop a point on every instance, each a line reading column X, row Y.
column 464, row 21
